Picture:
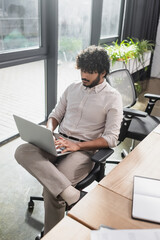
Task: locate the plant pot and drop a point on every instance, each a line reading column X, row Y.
column 133, row 65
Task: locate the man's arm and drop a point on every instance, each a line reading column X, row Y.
column 52, row 123
column 77, row 146
column 93, row 145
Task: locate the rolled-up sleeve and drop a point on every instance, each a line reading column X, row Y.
column 113, row 121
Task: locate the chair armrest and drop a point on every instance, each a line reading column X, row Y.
column 152, row 96
column 130, row 112
column 128, row 115
column 102, row 155
column 152, row 100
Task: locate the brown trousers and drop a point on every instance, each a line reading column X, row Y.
column 55, row 174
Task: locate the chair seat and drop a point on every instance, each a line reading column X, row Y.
column 90, row 178
column 140, row 127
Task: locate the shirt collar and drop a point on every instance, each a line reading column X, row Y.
column 97, row 88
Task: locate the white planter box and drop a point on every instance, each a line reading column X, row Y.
column 155, row 70
column 133, row 65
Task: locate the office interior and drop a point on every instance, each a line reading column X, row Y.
column 39, row 41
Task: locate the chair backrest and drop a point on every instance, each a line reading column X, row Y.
column 122, row 81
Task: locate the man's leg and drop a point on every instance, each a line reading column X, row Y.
column 37, row 163
column 54, row 210
column 76, row 166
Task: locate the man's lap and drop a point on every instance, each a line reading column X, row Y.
column 75, row 166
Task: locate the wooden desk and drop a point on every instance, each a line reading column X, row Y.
column 144, row 160
column 68, row 229
column 102, row 206
column 110, row 203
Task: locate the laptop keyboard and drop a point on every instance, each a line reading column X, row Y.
column 59, row 150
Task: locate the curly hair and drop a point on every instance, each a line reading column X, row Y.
column 93, row 59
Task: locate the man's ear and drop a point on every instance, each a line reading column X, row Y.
column 103, row 74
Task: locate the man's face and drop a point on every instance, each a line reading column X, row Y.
column 91, row 79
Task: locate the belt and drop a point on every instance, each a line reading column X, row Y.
column 72, row 138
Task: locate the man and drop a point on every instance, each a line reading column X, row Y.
column 89, row 116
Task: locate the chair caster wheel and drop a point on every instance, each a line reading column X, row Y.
column 40, row 235
column 38, row 238
column 124, row 153
column 30, row 205
column 131, row 148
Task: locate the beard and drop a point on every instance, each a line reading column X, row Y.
column 94, row 83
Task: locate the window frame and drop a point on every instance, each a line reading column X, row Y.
column 114, row 38
column 29, row 55
column 48, row 50
column 96, row 15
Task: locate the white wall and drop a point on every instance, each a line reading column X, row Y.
column 155, row 70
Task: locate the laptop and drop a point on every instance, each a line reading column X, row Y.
column 38, row 135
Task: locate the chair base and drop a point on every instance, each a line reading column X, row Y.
column 124, row 153
column 31, row 202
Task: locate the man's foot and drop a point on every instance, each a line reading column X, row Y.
column 82, row 194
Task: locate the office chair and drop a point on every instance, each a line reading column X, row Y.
column 97, row 173
column 136, row 124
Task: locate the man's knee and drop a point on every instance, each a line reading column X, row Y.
column 21, row 153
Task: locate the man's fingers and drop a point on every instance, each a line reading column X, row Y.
column 61, row 142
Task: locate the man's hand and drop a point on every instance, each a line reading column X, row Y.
column 84, row 146
column 68, row 145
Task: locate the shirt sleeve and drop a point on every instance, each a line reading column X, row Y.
column 59, row 111
column 113, row 121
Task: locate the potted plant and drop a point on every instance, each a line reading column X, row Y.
column 131, row 54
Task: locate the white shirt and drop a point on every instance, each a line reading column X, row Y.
column 90, row 113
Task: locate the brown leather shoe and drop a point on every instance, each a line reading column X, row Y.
column 82, row 194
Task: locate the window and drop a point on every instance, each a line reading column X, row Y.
column 22, row 92
column 74, row 35
column 22, row 63
column 19, row 25
column 111, row 20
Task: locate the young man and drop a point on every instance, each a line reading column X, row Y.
column 89, row 116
